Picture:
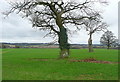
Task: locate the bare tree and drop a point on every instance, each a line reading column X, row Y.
column 108, row 39
column 3, row 45
column 55, row 17
column 93, row 26
column 116, row 44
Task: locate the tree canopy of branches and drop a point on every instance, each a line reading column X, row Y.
column 108, row 39
column 93, row 26
column 55, row 16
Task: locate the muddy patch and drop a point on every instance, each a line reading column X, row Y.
column 93, row 60
column 89, row 60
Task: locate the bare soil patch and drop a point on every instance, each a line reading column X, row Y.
column 89, row 60
column 93, row 60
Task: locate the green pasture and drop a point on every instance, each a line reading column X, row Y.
column 43, row 64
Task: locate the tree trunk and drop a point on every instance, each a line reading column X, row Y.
column 64, row 53
column 90, row 46
column 108, row 47
column 63, row 43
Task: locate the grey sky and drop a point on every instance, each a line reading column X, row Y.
column 16, row 29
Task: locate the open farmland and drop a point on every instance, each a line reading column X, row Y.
column 43, row 64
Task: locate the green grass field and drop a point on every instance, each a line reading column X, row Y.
column 20, row 64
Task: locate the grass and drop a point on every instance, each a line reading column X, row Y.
column 19, row 65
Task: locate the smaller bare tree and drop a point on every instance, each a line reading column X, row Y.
column 108, row 39
column 116, row 44
column 93, row 26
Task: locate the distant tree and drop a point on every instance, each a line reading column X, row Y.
column 93, row 26
column 4, row 46
column 116, row 44
column 55, row 15
column 16, row 46
column 108, row 39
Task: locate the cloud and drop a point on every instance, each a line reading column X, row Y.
column 111, row 16
column 16, row 29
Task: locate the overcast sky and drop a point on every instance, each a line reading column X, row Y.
column 17, row 29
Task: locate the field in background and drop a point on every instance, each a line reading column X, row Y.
column 42, row 64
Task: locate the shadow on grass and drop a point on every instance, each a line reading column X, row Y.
column 46, row 59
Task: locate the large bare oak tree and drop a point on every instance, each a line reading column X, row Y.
column 55, row 16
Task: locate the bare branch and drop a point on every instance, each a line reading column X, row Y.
column 48, row 15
